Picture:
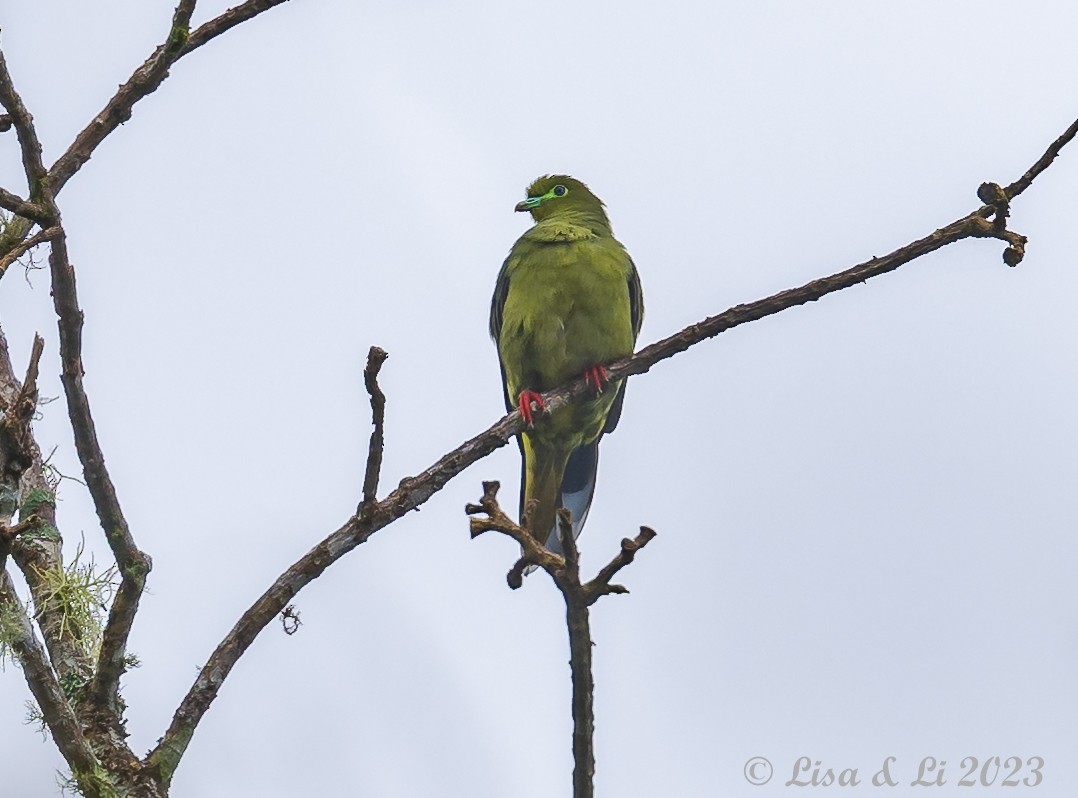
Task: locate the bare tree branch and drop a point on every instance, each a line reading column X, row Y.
column 147, row 78
column 24, row 129
column 26, row 209
column 142, row 82
column 19, row 403
column 565, row 571
column 375, row 358
column 132, row 563
column 18, row 451
column 23, row 247
column 42, row 682
column 578, row 622
column 34, row 544
column 226, row 21
column 532, row 551
column 1022, row 183
column 15, row 439
column 601, row 584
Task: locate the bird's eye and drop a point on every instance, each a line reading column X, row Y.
column 560, row 191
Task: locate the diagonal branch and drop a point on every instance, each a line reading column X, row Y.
column 974, row 225
column 412, row 492
column 132, row 563
column 23, row 247
column 23, row 122
column 1022, row 183
column 142, row 82
column 24, row 208
column 147, row 78
column 601, row 584
column 55, row 709
column 226, row 21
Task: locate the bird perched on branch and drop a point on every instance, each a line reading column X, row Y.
column 567, row 301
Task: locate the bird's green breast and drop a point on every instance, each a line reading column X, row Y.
column 567, row 307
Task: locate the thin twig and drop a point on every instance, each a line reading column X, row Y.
column 147, row 78
column 1022, row 183
column 601, row 584
column 143, row 81
column 532, row 551
column 375, row 358
column 226, row 21
column 23, row 247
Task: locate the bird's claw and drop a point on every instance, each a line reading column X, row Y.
column 525, row 401
column 596, row 377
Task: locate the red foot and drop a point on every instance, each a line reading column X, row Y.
column 525, row 401
column 596, row 378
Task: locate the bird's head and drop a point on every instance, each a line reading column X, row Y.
column 556, row 195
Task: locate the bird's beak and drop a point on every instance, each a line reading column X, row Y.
column 529, row 204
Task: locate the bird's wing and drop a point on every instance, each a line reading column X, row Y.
column 636, row 299
column 497, row 304
column 636, row 313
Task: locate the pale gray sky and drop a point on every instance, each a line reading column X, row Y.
column 866, row 507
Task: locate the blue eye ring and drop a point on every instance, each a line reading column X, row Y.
column 559, row 190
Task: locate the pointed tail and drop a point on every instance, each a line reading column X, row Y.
column 577, row 490
column 554, row 483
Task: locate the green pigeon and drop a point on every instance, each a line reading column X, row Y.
column 567, row 301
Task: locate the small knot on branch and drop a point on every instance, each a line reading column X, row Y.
column 999, row 203
column 993, row 195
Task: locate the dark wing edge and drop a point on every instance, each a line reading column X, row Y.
column 636, row 314
column 497, row 304
column 636, row 299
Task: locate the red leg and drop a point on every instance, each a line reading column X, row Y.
column 525, row 401
column 596, row 377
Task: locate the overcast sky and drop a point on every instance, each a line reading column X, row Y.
column 866, row 506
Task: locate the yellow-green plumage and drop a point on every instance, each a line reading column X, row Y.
column 567, row 300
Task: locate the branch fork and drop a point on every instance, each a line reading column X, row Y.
column 564, row 570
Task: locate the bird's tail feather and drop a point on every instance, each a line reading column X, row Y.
column 575, row 490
